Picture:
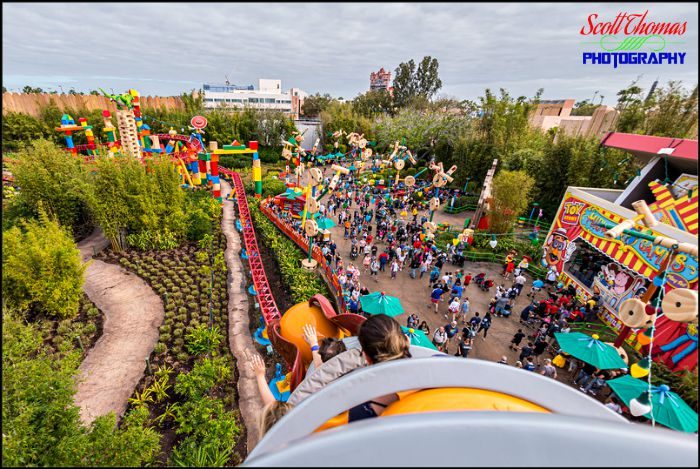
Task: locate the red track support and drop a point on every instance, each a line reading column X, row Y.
column 267, row 303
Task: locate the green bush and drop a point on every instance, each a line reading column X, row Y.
column 42, row 269
column 54, row 179
column 41, row 424
column 202, row 340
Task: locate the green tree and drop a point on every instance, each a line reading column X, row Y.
column 511, row 196
column 146, row 199
column 53, row 177
column 20, row 129
column 315, row 104
column 193, row 101
column 672, row 112
column 411, row 82
column 373, row 103
column 583, row 108
column 41, row 424
column 29, row 89
column 42, row 269
column 632, row 107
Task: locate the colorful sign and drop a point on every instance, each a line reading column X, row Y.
column 636, row 254
column 571, row 213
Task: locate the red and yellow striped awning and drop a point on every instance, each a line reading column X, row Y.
column 619, row 251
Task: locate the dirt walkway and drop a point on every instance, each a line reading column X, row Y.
column 133, row 312
column 240, row 340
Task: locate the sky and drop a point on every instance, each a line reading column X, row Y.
column 169, row 48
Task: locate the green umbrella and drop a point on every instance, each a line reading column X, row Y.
column 325, row 223
column 668, row 408
column 381, row 303
column 418, row 337
column 590, row 350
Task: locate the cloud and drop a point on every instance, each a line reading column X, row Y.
column 168, row 48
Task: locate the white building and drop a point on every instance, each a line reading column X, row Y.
column 269, row 95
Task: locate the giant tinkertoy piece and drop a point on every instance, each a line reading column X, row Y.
column 680, row 304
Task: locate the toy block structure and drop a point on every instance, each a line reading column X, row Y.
column 110, row 131
column 208, row 165
column 68, row 127
column 127, row 129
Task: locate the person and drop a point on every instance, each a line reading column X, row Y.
column 503, row 360
column 584, row 373
column 435, row 296
column 475, row 322
column 394, row 268
column 548, row 369
column 464, row 309
column 518, row 364
column 453, row 308
column 595, row 382
column 327, row 349
column 501, row 305
column 536, row 287
column 519, row 283
column 526, row 351
column 273, row 410
column 424, row 327
column 551, row 278
column 467, row 279
column 457, row 289
column 540, row 347
column 529, row 365
column 485, row 324
column 366, row 262
column 412, row 321
column 517, row 338
column 374, row 268
column 464, row 347
column 614, row 405
column 451, row 329
column 440, row 338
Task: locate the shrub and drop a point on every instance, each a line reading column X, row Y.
column 165, row 329
column 42, row 269
column 182, row 357
column 177, row 332
column 160, row 348
column 165, row 338
column 202, row 340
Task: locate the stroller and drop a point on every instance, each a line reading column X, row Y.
column 479, row 279
column 354, row 252
column 486, row 284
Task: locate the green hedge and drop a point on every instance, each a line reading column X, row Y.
column 301, row 283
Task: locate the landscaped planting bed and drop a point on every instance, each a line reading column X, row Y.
column 81, row 332
column 189, row 392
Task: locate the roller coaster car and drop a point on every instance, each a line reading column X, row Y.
column 287, row 334
column 464, row 412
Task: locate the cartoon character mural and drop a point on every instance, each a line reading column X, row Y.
column 615, row 285
column 557, row 250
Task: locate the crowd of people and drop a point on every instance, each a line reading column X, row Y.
column 386, row 236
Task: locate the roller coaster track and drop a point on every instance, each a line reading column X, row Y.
column 267, row 303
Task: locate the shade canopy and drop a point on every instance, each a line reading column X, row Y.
column 381, row 303
column 668, row 408
column 325, row 223
column 590, row 350
column 418, row 337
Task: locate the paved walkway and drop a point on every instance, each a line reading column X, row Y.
column 133, row 312
column 240, row 340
